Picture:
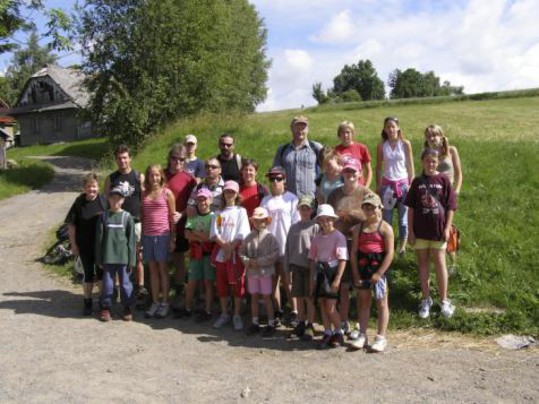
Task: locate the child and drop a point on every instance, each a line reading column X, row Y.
column 197, row 231
column 158, row 236
column 394, row 173
column 82, row 219
column 358, row 151
column 432, row 203
column 296, row 263
column 115, row 250
column 229, row 228
column 331, row 177
column 328, row 255
column 259, row 252
column 372, row 253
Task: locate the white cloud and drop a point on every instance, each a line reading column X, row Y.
column 340, row 29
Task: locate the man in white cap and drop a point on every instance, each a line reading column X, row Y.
column 299, row 158
column 193, row 165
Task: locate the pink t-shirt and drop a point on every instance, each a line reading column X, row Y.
column 329, row 248
column 155, row 214
column 357, row 151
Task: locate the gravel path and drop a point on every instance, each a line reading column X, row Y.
column 49, row 353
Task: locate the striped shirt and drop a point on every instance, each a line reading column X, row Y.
column 155, row 214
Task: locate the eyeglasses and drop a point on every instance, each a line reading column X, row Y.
column 210, row 167
column 176, row 158
column 226, row 144
column 276, row 179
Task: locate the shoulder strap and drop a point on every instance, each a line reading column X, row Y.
column 125, row 218
column 238, row 161
column 283, row 148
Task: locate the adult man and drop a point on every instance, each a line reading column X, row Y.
column 193, row 165
column 214, row 182
column 135, row 180
column 230, row 162
column 299, row 158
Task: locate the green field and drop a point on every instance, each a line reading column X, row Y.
column 496, row 283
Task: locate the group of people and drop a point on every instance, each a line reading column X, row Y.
column 304, row 241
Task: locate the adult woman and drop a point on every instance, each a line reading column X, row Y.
column 251, row 191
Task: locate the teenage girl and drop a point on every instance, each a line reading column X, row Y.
column 432, row 203
column 158, row 236
column 372, row 252
column 394, row 173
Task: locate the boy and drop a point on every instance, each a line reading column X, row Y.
column 115, row 251
column 296, row 263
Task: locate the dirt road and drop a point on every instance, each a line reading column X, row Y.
column 49, row 353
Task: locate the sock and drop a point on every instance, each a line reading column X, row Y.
column 327, row 332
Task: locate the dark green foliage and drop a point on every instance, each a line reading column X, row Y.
column 150, row 63
column 411, row 83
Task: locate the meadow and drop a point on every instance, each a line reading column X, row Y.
column 496, row 283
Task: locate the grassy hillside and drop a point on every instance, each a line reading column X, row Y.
column 496, row 285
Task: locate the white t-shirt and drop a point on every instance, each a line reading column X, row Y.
column 230, row 224
column 283, row 210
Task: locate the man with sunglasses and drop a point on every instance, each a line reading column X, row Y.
column 214, row 182
column 299, row 158
column 230, row 162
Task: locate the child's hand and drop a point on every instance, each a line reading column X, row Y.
column 335, row 286
column 172, row 245
column 411, row 238
column 447, row 231
column 375, row 278
column 75, row 249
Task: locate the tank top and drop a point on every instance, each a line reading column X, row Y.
column 156, row 216
column 394, row 161
column 369, row 243
column 446, row 166
column 132, row 202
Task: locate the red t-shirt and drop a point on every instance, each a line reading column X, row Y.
column 359, row 152
column 250, row 198
column 181, row 184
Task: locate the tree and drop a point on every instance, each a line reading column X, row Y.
column 14, row 20
column 319, row 95
column 25, row 63
column 149, row 63
column 412, row 83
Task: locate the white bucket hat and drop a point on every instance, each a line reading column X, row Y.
column 326, row 210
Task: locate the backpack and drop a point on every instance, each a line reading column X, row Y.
column 105, row 219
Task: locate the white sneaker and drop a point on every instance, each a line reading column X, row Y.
column 237, row 323
column 152, row 310
column 221, row 321
column 162, row 311
column 379, row 344
column 359, row 342
column 345, row 327
column 354, row 334
column 424, row 307
column 447, row 308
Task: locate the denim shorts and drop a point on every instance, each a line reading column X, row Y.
column 155, row 248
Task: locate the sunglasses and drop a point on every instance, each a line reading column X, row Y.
column 276, row 179
column 176, row 158
column 226, row 144
column 212, row 167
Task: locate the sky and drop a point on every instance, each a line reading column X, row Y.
column 483, row 45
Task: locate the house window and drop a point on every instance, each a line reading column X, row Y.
column 57, row 122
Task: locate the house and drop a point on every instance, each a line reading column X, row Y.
column 49, row 108
column 6, row 124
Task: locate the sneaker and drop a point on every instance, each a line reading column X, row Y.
column 269, row 331
column 203, row 317
column 379, row 344
column 294, row 321
column 424, row 308
column 128, row 314
column 105, row 315
column 337, row 340
column 183, row 313
column 354, row 334
column 88, row 307
column 299, row 329
column 162, row 311
column 278, row 316
column 359, row 342
column 222, row 320
column 253, row 329
column 237, row 323
column 345, row 326
column 325, row 342
column 141, row 293
column 308, row 335
column 447, row 308
column 152, row 310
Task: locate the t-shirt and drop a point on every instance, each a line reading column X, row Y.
column 326, row 187
column 230, row 169
column 329, row 248
column 196, row 168
column 200, row 222
column 132, row 202
column 283, row 210
column 348, row 208
column 251, row 197
column 430, row 211
column 181, row 184
column 357, row 151
column 84, row 214
column 230, row 224
column 298, row 244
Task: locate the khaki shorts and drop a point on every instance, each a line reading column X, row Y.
column 422, row 244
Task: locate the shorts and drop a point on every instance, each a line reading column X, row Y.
column 325, row 275
column 155, row 248
column 230, row 275
column 300, row 281
column 92, row 273
column 182, row 244
column 138, row 231
column 422, row 244
column 259, row 284
column 201, row 270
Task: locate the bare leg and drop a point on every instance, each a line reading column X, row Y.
column 189, row 294
column 333, row 314
column 344, row 301
column 209, row 295
column 383, row 315
column 154, row 280
column 364, row 299
column 254, row 305
column 165, row 284
column 423, row 263
column 438, row 256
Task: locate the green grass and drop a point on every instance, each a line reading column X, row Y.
column 26, row 176
column 94, row 148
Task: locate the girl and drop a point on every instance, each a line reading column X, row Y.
column 350, row 149
column 394, row 172
column 282, row 207
column 449, row 155
column 81, row 220
column 331, row 177
column 229, row 228
column 158, row 236
column 328, row 255
column 432, row 203
column 372, row 252
column 258, row 252
column 251, row 191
